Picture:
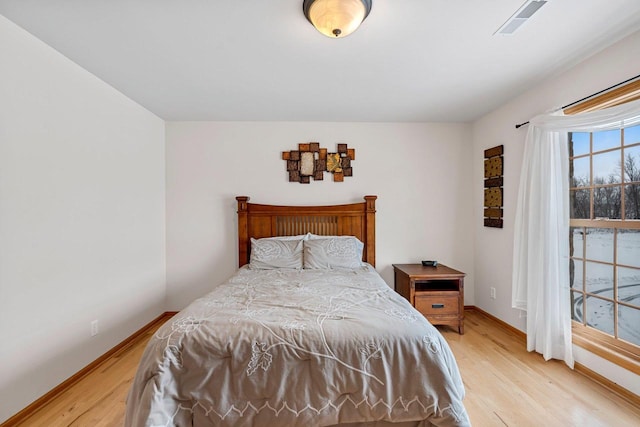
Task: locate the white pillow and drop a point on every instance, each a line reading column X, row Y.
column 311, row 236
column 269, row 254
column 298, row 237
column 333, row 252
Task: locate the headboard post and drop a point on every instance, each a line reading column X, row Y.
column 370, row 210
column 243, row 230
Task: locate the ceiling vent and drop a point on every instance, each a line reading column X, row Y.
column 525, row 12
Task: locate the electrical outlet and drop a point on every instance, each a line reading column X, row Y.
column 492, row 292
column 94, row 328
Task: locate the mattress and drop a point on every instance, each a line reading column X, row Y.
column 305, row 348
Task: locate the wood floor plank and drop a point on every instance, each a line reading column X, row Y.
column 505, row 385
column 98, row 399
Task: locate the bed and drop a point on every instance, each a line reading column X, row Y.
column 306, row 333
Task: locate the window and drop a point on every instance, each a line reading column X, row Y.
column 605, row 238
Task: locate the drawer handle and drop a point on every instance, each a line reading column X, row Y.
column 437, row 305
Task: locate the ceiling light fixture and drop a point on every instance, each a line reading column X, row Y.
column 336, row 18
column 525, row 12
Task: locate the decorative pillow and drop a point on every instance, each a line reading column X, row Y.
column 311, row 236
column 298, row 237
column 333, row 252
column 269, row 254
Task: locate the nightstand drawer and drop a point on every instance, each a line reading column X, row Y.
column 437, row 303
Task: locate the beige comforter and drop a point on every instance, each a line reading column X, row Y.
column 297, row 348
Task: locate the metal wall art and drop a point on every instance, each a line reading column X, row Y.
column 311, row 161
column 493, row 171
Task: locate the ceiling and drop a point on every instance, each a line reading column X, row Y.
column 261, row 60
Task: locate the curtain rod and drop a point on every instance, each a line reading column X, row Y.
column 518, row 126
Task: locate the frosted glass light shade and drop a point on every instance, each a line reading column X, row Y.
column 336, row 18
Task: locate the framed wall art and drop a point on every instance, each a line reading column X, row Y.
column 493, row 186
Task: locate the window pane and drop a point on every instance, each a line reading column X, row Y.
column 579, row 141
column 629, row 285
column 632, row 135
column 580, row 173
column 632, row 201
column 632, row 164
column 577, row 306
column 606, row 139
column 600, row 314
column 576, row 276
column 599, row 279
column 579, row 204
column 575, row 243
column 629, row 247
column 600, row 244
column 629, row 324
column 607, row 203
column 606, row 168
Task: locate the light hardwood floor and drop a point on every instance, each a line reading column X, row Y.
column 506, row 386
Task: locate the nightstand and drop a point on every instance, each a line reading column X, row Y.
column 436, row 292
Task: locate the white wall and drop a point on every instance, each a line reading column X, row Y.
column 493, row 247
column 81, row 218
column 420, row 173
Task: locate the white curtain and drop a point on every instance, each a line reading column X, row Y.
column 541, row 241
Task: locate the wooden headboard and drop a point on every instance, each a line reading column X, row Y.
column 355, row 219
